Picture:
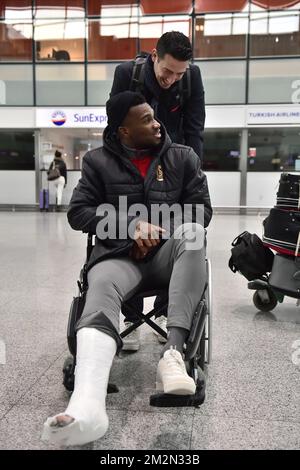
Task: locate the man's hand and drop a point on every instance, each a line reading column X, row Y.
column 147, row 235
column 137, row 253
column 146, row 238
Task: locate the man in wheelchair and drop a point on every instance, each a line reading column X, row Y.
column 139, row 162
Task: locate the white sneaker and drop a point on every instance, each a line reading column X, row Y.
column 162, row 323
column 131, row 342
column 172, row 376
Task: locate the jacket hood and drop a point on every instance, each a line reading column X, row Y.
column 112, row 143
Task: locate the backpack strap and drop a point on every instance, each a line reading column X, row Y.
column 185, row 87
column 138, row 74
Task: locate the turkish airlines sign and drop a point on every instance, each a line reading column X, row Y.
column 264, row 115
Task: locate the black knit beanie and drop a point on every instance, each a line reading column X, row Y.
column 117, row 107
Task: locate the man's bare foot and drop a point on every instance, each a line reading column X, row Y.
column 62, row 420
column 65, row 430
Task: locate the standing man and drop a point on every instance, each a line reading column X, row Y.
column 175, row 93
column 173, row 88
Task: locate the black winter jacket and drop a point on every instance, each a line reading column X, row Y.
column 184, row 126
column 108, row 173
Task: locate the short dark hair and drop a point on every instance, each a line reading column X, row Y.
column 57, row 154
column 118, row 106
column 176, row 44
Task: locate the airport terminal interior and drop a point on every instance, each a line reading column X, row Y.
column 252, row 394
column 57, row 63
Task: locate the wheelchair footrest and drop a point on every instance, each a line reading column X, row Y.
column 168, row 400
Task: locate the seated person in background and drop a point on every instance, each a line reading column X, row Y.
column 138, row 161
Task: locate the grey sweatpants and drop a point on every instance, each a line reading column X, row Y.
column 179, row 263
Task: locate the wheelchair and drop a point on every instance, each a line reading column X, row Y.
column 197, row 351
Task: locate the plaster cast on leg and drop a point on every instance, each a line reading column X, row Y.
column 85, row 418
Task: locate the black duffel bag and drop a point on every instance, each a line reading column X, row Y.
column 281, row 229
column 250, row 257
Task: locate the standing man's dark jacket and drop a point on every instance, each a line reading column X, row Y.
column 184, row 126
column 107, row 173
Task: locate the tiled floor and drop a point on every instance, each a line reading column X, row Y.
column 253, row 386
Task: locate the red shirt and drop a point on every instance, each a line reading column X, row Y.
column 142, row 164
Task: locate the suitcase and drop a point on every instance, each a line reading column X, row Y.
column 288, row 194
column 44, row 199
column 281, row 231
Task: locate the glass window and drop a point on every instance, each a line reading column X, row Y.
column 59, row 40
column 221, row 35
column 15, row 9
column 113, row 8
column 157, row 6
column 260, row 5
column 73, row 143
column 224, row 82
column 206, row 6
column 274, row 149
column 273, row 81
column 15, row 40
column 16, row 87
column 221, row 150
column 100, row 78
column 152, row 27
column 16, row 150
column 59, row 9
column 59, row 85
column 274, row 33
column 112, row 38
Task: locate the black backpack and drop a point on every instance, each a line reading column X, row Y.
column 250, row 257
column 138, row 77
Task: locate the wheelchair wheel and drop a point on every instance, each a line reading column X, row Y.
column 202, row 351
column 208, row 324
column 68, row 374
column 264, row 300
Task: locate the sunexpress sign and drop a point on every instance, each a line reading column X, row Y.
column 99, row 119
column 71, row 117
